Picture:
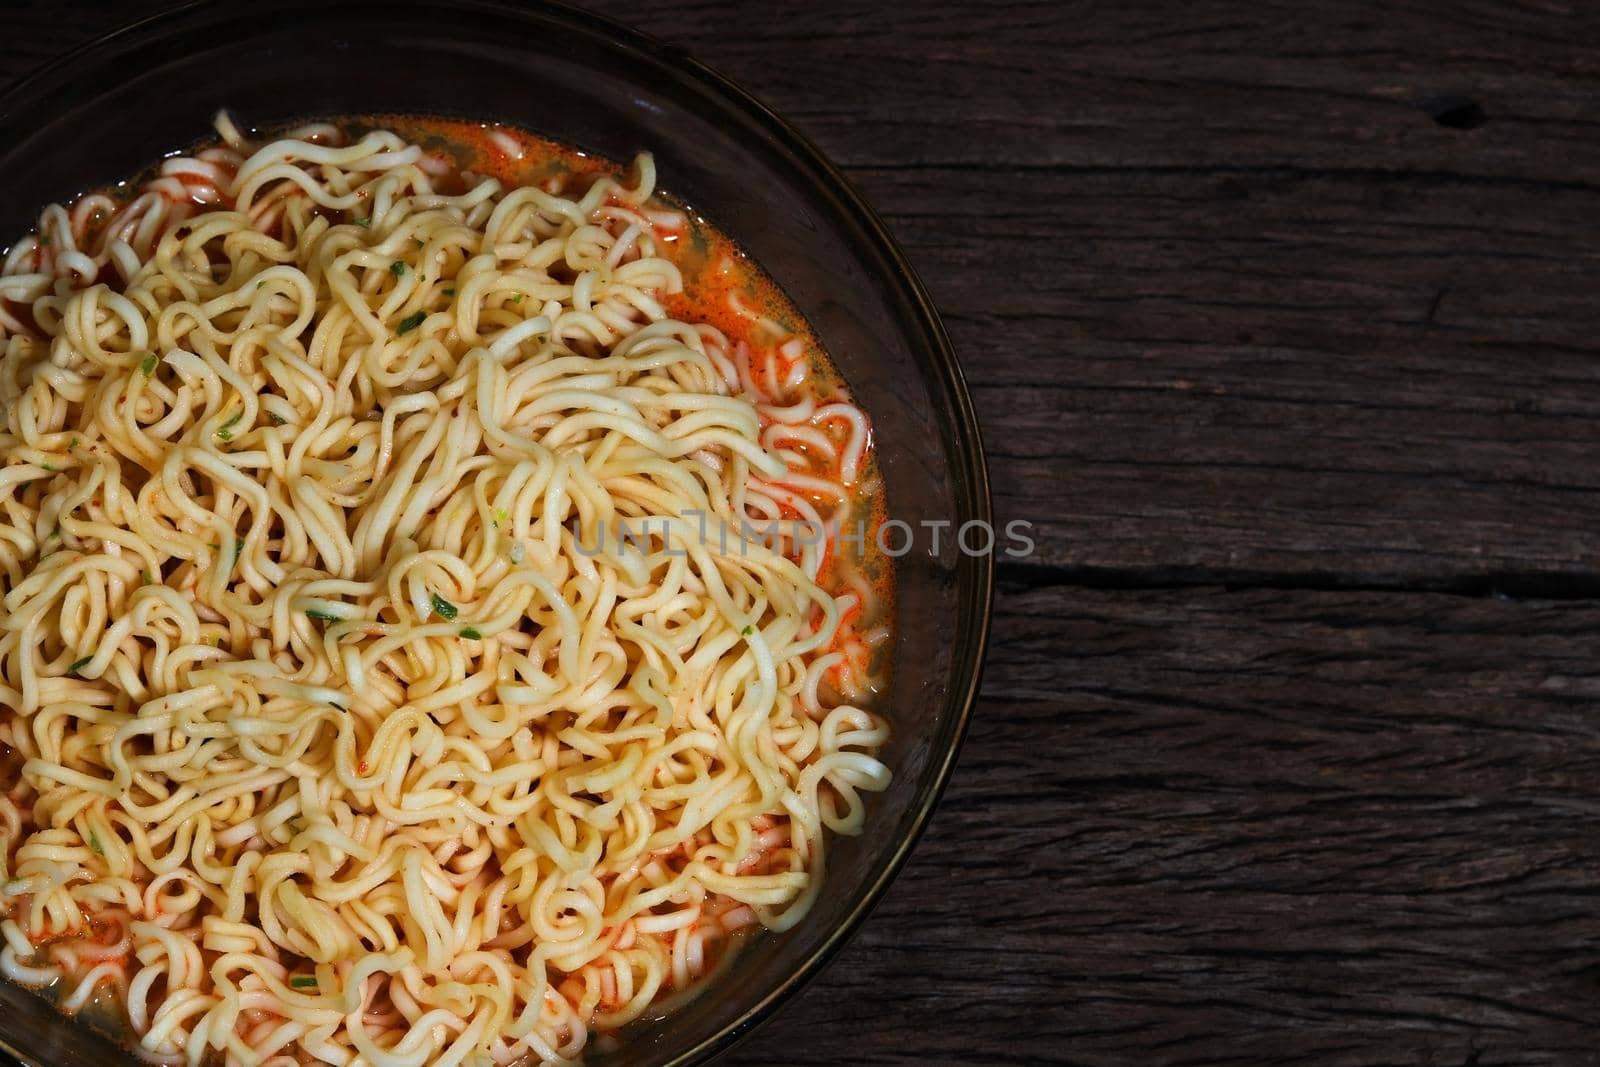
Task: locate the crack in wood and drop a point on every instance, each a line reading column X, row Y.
column 1014, row 576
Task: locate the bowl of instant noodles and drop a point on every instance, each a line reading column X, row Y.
column 495, row 540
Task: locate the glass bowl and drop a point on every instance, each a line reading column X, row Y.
column 109, row 110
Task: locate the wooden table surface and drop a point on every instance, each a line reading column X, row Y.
column 1282, row 322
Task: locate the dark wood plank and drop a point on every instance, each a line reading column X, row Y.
column 1232, row 84
column 1288, row 375
column 1209, row 827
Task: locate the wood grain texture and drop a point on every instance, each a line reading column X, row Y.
column 1293, row 360
column 1200, row 826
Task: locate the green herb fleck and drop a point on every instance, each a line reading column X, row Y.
column 51, row 467
column 518, row 298
column 747, row 631
column 225, row 430
column 277, row 420
column 363, row 223
column 78, row 665
column 471, row 633
column 238, row 550
column 449, row 290
column 148, row 364
column 321, row 616
column 418, row 241
column 500, row 515
column 94, row 844
column 262, row 282
column 443, row 608
column 73, row 445
column 303, row 983
column 397, row 268
column 411, row 322
column 149, row 579
column 44, row 239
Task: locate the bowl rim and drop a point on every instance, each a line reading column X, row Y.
column 970, row 471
